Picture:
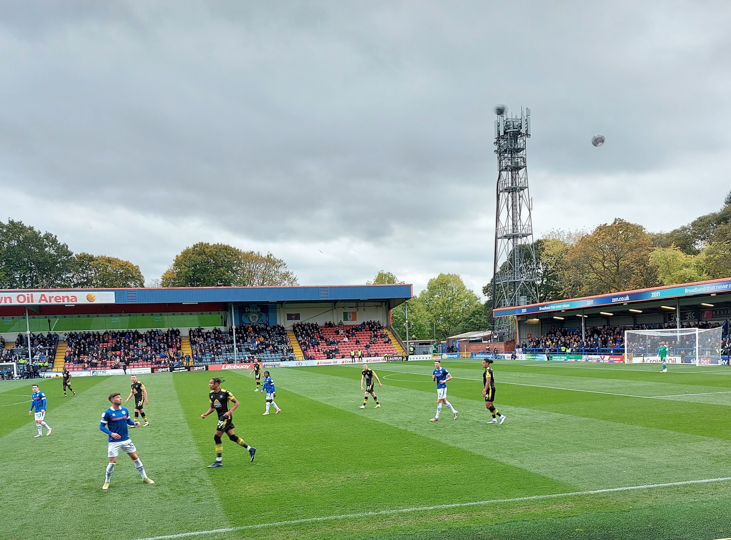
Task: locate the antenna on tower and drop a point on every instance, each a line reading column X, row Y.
column 514, row 274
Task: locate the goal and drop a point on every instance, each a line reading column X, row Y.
column 699, row 346
column 12, row 366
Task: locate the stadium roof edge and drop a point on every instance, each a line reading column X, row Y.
column 684, row 290
column 396, row 294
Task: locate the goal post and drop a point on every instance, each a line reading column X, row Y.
column 699, row 346
column 4, row 366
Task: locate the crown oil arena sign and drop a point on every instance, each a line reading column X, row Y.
column 55, row 298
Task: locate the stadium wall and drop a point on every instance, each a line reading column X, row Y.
column 79, row 323
column 347, row 312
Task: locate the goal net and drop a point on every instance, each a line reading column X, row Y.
column 9, row 370
column 699, row 346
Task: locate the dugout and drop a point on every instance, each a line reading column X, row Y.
column 674, row 306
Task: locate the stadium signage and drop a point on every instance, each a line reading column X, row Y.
column 656, row 360
column 50, row 298
column 530, row 356
column 219, row 367
column 608, row 300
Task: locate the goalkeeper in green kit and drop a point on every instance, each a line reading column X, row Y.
column 663, row 353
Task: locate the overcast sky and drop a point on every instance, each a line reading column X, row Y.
column 346, row 137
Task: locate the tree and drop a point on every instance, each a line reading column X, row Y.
column 477, row 319
column 100, row 271
column 694, row 237
column 613, row 258
column 673, row 266
column 384, row 278
column 261, row 270
column 447, row 303
column 221, row 265
column 205, row 265
column 717, row 260
column 727, row 200
column 33, row 260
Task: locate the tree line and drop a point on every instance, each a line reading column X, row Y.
column 622, row 256
column 446, row 307
column 30, row 259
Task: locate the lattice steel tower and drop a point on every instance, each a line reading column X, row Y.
column 514, row 276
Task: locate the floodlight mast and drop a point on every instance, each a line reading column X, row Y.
column 515, row 270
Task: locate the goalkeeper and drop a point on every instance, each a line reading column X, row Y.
column 663, row 354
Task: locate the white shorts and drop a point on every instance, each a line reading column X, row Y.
column 442, row 393
column 40, row 416
column 270, row 396
column 128, row 447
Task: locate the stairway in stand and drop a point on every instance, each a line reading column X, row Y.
column 185, row 349
column 396, row 345
column 60, row 355
column 298, row 354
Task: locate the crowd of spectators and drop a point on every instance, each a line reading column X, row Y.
column 604, row 339
column 42, row 347
column 115, row 349
column 260, row 341
column 331, row 340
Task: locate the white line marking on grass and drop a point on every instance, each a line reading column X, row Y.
column 16, row 403
column 437, row 507
column 385, row 377
column 610, row 393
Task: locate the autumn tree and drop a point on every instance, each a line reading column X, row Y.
column 30, row 259
column 220, row 265
column 260, row 270
column 100, row 271
column 612, row 258
column 384, row 278
column 717, row 260
column 673, row 266
column 694, row 237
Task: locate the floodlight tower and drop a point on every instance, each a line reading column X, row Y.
column 514, row 275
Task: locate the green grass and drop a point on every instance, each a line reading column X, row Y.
column 327, row 469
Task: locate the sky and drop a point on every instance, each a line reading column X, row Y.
column 351, row 137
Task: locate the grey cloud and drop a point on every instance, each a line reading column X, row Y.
column 362, row 122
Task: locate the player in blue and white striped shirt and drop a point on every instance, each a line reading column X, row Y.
column 114, row 423
column 38, row 405
column 269, row 389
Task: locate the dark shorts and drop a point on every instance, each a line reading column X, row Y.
column 369, row 388
column 66, row 384
column 139, row 403
column 224, row 424
column 490, row 395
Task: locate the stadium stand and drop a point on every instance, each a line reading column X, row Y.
column 600, row 339
column 330, row 340
column 266, row 343
column 99, row 350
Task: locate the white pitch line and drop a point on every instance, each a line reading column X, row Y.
column 386, row 377
column 610, row 393
column 16, row 403
column 437, row 507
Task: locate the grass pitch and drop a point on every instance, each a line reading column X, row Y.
column 587, row 451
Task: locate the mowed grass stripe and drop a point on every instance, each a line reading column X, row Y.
column 315, row 459
column 601, row 453
column 59, row 477
column 15, row 400
column 701, row 419
column 630, row 513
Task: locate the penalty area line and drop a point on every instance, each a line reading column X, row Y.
column 436, row 507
